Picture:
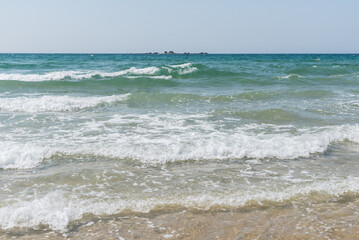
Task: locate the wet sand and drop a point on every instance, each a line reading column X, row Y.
column 336, row 220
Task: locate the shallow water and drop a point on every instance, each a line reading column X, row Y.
column 85, row 137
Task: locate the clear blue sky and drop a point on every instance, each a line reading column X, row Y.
column 217, row 26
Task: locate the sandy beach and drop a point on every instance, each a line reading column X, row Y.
column 333, row 220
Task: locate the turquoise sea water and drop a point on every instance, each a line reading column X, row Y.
column 86, row 136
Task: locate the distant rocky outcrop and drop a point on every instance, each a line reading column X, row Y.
column 172, row 52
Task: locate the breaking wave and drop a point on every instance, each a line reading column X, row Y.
column 56, row 103
column 164, row 72
column 185, row 145
column 57, row 209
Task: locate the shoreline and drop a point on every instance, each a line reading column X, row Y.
column 333, row 220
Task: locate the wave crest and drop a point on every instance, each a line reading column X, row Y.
column 58, row 209
column 188, row 146
column 163, row 72
column 56, row 103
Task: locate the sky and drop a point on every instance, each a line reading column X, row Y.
column 214, row 26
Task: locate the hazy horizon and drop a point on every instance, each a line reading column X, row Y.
column 231, row 26
column 193, row 53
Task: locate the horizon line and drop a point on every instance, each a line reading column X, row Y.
column 183, row 53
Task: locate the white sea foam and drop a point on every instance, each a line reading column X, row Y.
column 153, row 77
column 21, row 156
column 55, row 103
column 222, row 145
column 290, row 76
column 161, row 77
column 185, row 68
column 78, row 75
column 140, row 71
column 153, row 146
column 58, row 75
column 184, row 65
column 58, row 209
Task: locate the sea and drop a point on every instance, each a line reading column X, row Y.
column 85, row 138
